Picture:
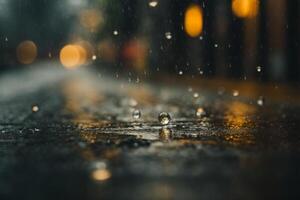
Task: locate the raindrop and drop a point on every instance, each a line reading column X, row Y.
column 94, row 57
column 115, row 32
column 168, row 35
column 136, row 114
column 35, row 108
column 200, row 112
column 195, row 95
column 180, row 72
column 164, row 118
column 235, row 93
column 216, row 45
column 260, row 101
column 153, row 3
column 258, row 69
column 6, row 39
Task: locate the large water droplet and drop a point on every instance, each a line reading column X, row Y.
column 136, row 114
column 200, row 112
column 164, row 118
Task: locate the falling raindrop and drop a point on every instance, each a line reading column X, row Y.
column 200, row 112
column 195, row 95
column 164, row 118
column 260, row 101
column 136, row 114
column 6, row 39
column 258, row 69
column 216, row 45
column 35, row 108
column 180, row 72
column 235, row 93
column 153, row 3
column 168, row 35
column 115, row 32
column 94, row 57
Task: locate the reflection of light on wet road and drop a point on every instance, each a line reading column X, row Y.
column 101, row 174
column 238, row 121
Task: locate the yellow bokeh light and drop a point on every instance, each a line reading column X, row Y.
column 26, row 52
column 72, row 56
column 245, row 8
column 193, row 20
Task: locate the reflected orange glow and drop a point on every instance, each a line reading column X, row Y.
column 237, row 113
column 245, row 8
column 26, row 52
column 101, row 174
column 193, row 20
column 91, row 19
column 72, row 56
column 238, row 121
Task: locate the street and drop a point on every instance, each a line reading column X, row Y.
column 74, row 135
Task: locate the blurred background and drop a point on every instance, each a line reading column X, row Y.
column 233, row 39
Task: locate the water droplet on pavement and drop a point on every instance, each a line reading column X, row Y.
column 164, row 118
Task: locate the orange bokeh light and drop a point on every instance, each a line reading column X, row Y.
column 72, row 56
column 193, row 20
column 26, row 52
column 245, row 8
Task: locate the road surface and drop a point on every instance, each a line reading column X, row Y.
column 72, row 135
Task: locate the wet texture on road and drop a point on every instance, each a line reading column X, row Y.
column 74, row 135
